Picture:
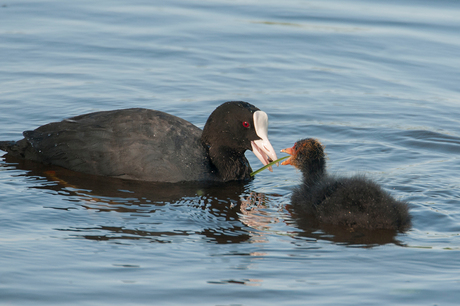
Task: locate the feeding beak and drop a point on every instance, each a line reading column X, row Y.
column 262, row 147
column 289, row 151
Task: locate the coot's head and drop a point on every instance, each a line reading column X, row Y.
column 239, row 126
column 307, row 155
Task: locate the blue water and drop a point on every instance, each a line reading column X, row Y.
column 377, row 82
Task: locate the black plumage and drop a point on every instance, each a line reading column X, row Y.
column 148, row 145
column 354, row 202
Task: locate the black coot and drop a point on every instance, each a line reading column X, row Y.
column 355, row 202
column 149, row 145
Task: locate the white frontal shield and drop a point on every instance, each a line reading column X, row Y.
column 262, row 148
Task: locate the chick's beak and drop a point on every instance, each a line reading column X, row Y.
column 289, row 151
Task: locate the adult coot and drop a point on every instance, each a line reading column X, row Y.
column 149, row 145
column 355, row 202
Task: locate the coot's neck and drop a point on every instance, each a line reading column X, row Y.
column 229, row 164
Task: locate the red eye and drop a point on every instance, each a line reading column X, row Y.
column 246, row 124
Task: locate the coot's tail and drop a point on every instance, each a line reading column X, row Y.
column 15, row 148
column 6, row 145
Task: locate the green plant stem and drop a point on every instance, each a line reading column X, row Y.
column 270, row 164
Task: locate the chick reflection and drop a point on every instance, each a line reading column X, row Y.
column 164, row 211
column 312, row 229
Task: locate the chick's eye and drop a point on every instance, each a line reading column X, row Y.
column 246, row 124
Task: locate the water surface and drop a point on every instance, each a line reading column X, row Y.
column 376, row 82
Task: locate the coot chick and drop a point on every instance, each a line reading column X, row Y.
column 149, row 145
column 354, row 202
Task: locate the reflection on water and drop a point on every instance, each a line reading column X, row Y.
column 225, row 213
column 144, row 200
column 343, row 235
